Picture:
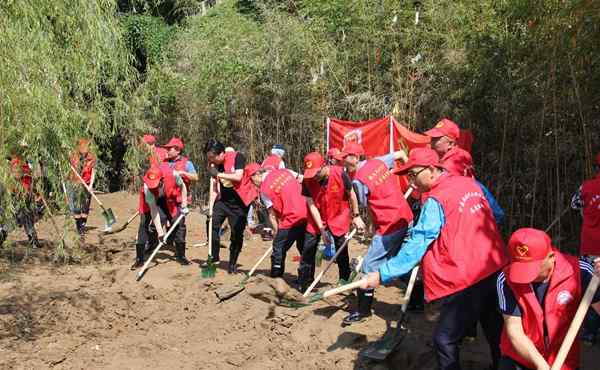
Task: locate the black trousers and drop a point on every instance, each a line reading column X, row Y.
column 237, row 221
column 26, row 216
column 459, row 311
column 147, row 233
column 343, row 260
column 306, row 269
column 282, row 242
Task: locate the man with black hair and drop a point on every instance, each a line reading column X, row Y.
column 235, row 193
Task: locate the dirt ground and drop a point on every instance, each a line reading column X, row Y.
column 94, row 314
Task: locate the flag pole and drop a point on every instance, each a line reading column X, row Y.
column 391, row 134
column 327, row 123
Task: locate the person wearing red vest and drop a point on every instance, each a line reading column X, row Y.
column 180, row 163
column 458, row 244
column 333, row 157
column 332, row 205
column 156, row 154
column 539, row 293
column 235, row 194
column 444, row 137
column 377, row 189
column 587, row 201
column 84, row 162
column 162, row 198
column 280, row 192
column 24, row 197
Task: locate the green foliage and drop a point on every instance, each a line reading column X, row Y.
column 146, row 37
column 65, row 74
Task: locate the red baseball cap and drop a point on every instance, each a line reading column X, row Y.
column 152, row 177
column 334, row 153
column 445, row 127
column 352, row 148
column 422, row 157
column 149, row 139
column 313, row 162
column 527, row 249
column 251, row 168
column 175, row 142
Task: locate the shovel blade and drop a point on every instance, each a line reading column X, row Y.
column 109, row 218
column 228, row 292
column 209, row 270
column 382, row 348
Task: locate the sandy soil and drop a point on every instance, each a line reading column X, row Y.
column 93, row 314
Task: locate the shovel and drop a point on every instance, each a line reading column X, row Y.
column 316, row 297
column 381, row 349
column 565, row 347
column 228, row 292
column 109, row 216
column 140, row 273
column 118, row 230
column 320, row 276
column 209, row 269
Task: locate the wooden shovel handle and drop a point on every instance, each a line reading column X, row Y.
column 344, row 288
column 86, row 186
column 329, row 264
column 260, row 261
column 565, row 347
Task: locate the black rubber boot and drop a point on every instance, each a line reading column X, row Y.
column 233, row 257
column 180, row 254
column 79, row 226
column 365, row 301
column 276, row 272
column 139, row 256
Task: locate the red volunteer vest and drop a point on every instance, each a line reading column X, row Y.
column 469, row 247
column 314, row 188
column 172, row 193
column 389, row 209
column 86, row 168
column 272, row 162
column 22, row 172
column 332, row 201
column 458, row 162
column 158, row 156
column 590, row 230
column 244, row 188
column 560, row 305
column 285, row 192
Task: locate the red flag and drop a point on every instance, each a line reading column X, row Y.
column 373, row 135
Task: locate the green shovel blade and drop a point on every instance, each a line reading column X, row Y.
column 209, row 270
column 109, row 217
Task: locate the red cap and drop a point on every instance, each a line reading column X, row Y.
column 445, row 127
column 149, row 139
column 175, row 142
column 527, row 248
column 152, row 177
column 313, row 162
column 251, row 168
column 422, row 157
column 352, row 148
column 598, row 159
column 333, row 153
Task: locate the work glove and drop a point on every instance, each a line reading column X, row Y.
column 213, row 172
column 185, row 211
